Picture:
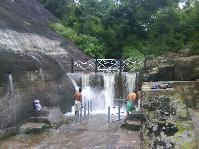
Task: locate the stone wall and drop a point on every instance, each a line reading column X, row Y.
column 189, row 91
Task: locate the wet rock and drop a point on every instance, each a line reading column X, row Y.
column 8, row 132
column 54, row 117
column 33, row 128
column 133, row 127
column 162, row 106
column 161, row 144
column 39, row 120
column 137, row 115
column 156, row 129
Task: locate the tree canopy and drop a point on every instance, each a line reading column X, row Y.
column 127, row 28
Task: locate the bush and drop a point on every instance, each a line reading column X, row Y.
column 89, row 44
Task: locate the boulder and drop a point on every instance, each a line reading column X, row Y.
column 33, row 63
column 187, row 68
column 163, row 73
column 179, row 69
column 33, row 128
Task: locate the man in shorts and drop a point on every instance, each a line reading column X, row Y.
column 130, row 102
column 78, row 101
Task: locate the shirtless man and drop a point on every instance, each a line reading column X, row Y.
column 130, row 102
column 78, row 101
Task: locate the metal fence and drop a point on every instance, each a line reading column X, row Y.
column 101, row 65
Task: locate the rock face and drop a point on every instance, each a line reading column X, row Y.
column 187, row 68
column 33, row 61
column 179, row 69
column 24, row 27
column 189, row 92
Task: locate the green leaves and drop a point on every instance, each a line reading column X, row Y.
column 127, row 28
column 89, row 44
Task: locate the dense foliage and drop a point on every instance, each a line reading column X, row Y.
column 128, row 28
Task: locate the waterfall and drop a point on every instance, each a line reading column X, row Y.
column 11, row 83
column 85, row 79
column 41, row 66
column 130, row 82
column 36, row 59
column 101, row 88
column 109, row 82
column 70, row 75
column 12, row 97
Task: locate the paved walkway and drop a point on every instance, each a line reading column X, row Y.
column 91, row 133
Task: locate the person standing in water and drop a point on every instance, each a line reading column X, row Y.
column 139, row 97
column 130, row 102
column 78, row 101
column 37, row 108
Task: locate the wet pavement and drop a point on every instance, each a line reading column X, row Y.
column 92, row 132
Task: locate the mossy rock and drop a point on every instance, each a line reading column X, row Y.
column 30, row 128
column 131, row 127
column 189, row 145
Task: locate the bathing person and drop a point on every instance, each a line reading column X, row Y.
column 130, row 102
column 78, row 101
column 37, row 108
column 139, row 99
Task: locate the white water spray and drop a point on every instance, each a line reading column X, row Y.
column 109, row 82
column 12, row 97
column 85, row 80
column 73, row 82
column 130, row 82
column 41, row 66
column 102, row 98
column 11, row 83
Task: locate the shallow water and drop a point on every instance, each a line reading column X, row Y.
column 90, row 133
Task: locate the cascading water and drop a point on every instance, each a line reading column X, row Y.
column 11, row 83
column 12, row 96
column 100, row 88
column 109, row 82
column 85, row 80
column 41, row 66
column 130, row 82
column 73, row 81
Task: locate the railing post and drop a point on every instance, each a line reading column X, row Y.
column 95, row 65
column 81, row 112
column 91, row 106
column 72, row 66
column 109, row 114
column 84, row 109
column 88, row 107
column 118, row 113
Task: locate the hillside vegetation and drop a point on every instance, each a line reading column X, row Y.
column 128, row 28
